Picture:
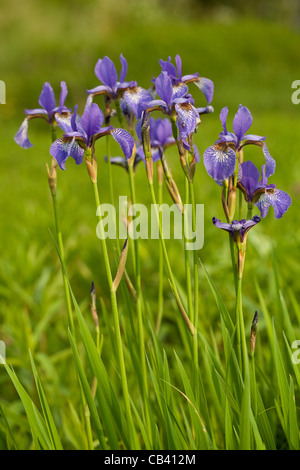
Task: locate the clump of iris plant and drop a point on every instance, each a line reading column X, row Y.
column 224, row 162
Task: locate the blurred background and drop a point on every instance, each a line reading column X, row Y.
column 249, row 49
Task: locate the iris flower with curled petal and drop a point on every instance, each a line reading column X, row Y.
column 220, row 158
column 49, row 111
column 80, row 133
column 116, row 87
column 262, row 194
column 174, row 100
column 237, row 228
column 175, row 73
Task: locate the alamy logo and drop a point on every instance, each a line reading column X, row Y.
column 296, row 95
column 296, row 354
column 140, row 222
column 2, row 92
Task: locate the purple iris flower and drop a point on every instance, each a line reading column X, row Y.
column 220, row 158
column 175, row 100
column 49, row 111
column 262, row 194
column 116, row 87
column 80, row 134
column 238, row 228
column 175, row 73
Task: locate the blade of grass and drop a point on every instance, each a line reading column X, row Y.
column 51, row 427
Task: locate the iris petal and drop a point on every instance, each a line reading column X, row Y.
column 242, row 122
column 207, row 88
column 219, row 164
column 105, row 71
column 21, row 137
column 47, row 98
column 60, row 151
column 277, row 198
column 164, row 89
column 125, row 140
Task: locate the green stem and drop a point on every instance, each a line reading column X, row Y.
column 187, row 262
column 196, row 294
column 160, row 255
column 186, row 319
column 138, row 290
column 119, row 112
column 249, row 212
column 115, row 313
column 62, row 255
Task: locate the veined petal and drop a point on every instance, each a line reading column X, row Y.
column 164, row 88
column 270, row 162
column 277, row 198
column 219, row 164
column 47, row 98
column 136, row 99
column 124, row 68
column 242, row 122
column 207, row 88
column 21, row 137
column 105, row 71
column 124, row 139
column 60, row 150
column 188, row 119
column 179, row 91
column 64, row 122
column 76, row 152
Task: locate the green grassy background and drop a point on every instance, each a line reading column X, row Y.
column 252, row 61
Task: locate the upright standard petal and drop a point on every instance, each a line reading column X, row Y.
column 105, row 71
column 219, row 164
column 249, row 178
column 21, row 137
column 242, row 122
column 179, row 67
column 63, row 95
column 223, row 118
column 124, row 68
column 91, row 121
column 125, row 140
column 164, row 88
column 47, row 98
column 168, row 67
